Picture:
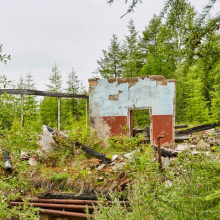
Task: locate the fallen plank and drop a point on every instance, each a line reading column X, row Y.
column 71, row 196
column 181, row 139
column 180, row 126
column 166, row 152
column 197, row 129
column 92, row 152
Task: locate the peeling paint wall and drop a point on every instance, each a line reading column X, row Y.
column 112, row 99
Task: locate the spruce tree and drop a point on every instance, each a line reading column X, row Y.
column 29, row 81
column 131, row 61
column 110, row 64
column 73, row 83
column 21, row 83
column 55, row 80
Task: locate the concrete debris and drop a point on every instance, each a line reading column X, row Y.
column 182, row 147
column 101, row 166
column 165, row 162
column 32, row 161
column 25, row 155
column 195, row 152
column 185, row 147
column 46, row 140
column 114, row 157
column 202, row 145
column 130, row 155
column 118, row 166
column 100, row 179
column 210, row 132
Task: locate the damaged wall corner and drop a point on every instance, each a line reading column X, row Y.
column 112, row 100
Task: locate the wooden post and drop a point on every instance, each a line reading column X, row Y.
column 22, row 110
column 86, row 112
column 59, row 122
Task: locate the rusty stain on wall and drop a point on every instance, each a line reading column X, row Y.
column 112, row 100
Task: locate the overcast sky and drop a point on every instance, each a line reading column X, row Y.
column 36, row 33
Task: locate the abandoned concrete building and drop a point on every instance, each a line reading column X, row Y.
column 112, row 102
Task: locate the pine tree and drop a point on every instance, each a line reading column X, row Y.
column 55, row 80
column 110, row 65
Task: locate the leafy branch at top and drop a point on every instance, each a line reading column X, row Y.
column 4, row 58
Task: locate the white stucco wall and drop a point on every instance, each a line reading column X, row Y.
column 145, row 93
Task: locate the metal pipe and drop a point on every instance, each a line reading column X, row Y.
column 159, row 150
column 75, row 214
column 7, row 161
column 59, row 122
column 58, row 206
column 71, row 201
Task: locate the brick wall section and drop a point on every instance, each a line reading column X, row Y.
column 111, row 101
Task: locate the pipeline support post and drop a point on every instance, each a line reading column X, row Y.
column 22, row 110
column 59, row 121
column 159, row 151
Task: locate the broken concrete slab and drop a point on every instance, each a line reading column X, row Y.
column 46, row 140
column 114, row 157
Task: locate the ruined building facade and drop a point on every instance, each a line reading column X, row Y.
column 112, row 102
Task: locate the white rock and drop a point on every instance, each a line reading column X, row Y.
column 114, row 157
column 168, row 183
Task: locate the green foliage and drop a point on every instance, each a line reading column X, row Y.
column 110, row 65
column 189, row 190
column 58, row 177
column 3, row 57
column 141, row 118
column 55, row 80
column 131, row 62
column 123, row 143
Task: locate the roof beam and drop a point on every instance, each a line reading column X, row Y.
column 41, row 93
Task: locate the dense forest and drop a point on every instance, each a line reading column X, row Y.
column 45, row 111
column 179, row 43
